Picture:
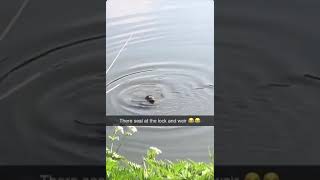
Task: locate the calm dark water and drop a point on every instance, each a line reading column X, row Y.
column 169, row 54
column 52, row 82
column 266, row 102
column 174, row 142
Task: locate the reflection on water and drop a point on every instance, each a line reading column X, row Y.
column 51, row 81
column 162, row 48
column 175, row 142
column 169, row 55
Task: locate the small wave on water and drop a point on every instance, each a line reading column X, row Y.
column 178, row 89
column 52, row 84
column 160, row 49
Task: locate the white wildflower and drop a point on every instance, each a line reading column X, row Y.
column 156, row 150
column 119, row 128
column 133, row 129
column 128, row 134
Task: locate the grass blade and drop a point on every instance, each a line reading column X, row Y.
column 125, row 44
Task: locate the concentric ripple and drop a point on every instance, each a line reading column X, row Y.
column 52, row 95
column 178, row 89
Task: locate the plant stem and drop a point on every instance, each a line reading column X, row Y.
column 121, row 143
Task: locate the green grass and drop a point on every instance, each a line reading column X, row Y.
column 119, row 167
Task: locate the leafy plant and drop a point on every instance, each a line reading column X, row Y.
column 118, row 167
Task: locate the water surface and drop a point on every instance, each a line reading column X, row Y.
column 52, row 79
column 169, row 54
column 175, row 142
column 167, row 51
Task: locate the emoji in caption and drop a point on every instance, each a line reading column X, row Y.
column 271, row 176
column 252, row 176
column 190, row 120
column 197, row 120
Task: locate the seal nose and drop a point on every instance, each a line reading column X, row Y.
column 150, row 99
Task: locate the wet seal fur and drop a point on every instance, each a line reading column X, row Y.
column 150, row 99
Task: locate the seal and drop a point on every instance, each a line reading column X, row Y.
column 150, row 99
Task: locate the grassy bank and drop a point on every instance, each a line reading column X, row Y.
column 119, row 167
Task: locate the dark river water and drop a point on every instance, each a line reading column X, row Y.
column 165, row 49
column 53, row 73
column 161, row 48
column 175, row 142
column 52, row 82
column 53, row 77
